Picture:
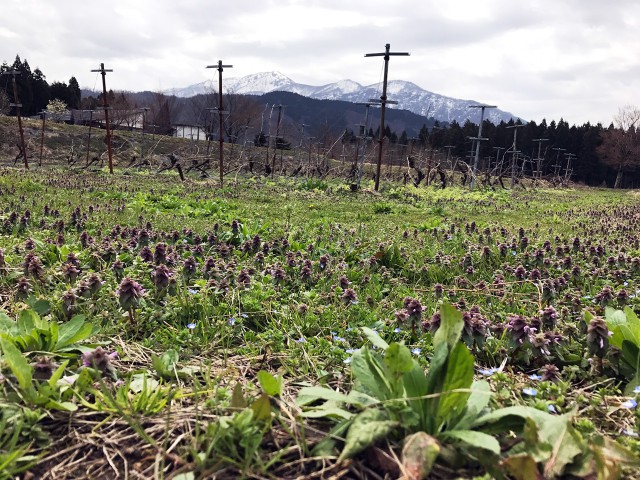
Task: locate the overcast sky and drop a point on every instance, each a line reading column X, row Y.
column 576, row 59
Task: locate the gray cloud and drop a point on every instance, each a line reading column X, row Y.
column 542, row 59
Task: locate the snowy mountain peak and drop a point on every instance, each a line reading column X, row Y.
column 408, row 95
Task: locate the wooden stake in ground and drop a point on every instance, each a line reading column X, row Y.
column 44, row 119
column 220, row 67
column 16, row 103
column 383, row 101
column 105, row 105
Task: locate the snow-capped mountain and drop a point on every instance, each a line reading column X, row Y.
column 408, row 95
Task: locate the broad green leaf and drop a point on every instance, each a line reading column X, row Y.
column 510, row 417
column 398, row 359
column 308, row 395
column 69, row 331
column 634, row 323
column 54, row 332
column 262, row 407
column 374, row 338
column 237, row 398
column 62, row 406
column 41, row 306
column 558, row 432
column 270, row 384
column 57, row 375
column 522, row 467
column 7, row 325
column 477, row 402
column 28, row 320
column 435, row 378
column 474, row 439
column 459, row 375
column 17, row 363
column 415, row 386
column 451, row 325
column 141, row 381
column 419, row 453
column 367, row 428
column 369, row 374
column 331, row 412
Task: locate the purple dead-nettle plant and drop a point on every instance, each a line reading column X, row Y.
column 117, row 267
column 549, row 373
column 438, row 289
column 143, row 238
column 146, row 254
column 306, row 272
column 94, row 283
column 278, row 274
column 539, row 343
column 244, row 279
column 101, row 360
column 160, row 253
column 519, row 329
column 160, row 278
column 129, row 295
column 323, row 261
column 69, row 303
column 549, row 317
column 43, row 368
column 70, row 272
column 604, row 296
column 29, row 244
column 349, row 297
column 597, row 337
column 189, row 268
column 291, row 260
column 3, row 263
column 344, row 282
column 35, row 269
column 433, row 323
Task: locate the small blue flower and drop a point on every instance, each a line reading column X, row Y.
column 416, row 351
column 552, row 409
column 244, row 315
column 301, row 340
column 397, row 330
column 191, row 326
column 488, row 371
column 339, row 339
column 532, row 392
column 630, row 433
column 231, row 322
column 347, row 361
column 629, row 404
column 351, row 350
column 637, row 389
column 535, row 377
column 192, row 291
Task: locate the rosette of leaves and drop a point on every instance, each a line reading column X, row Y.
column 444, row 416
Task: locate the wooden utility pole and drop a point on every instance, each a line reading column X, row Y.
column 514, row 152
column 44, row 117
column 478, row 139
column 16, row 103
column 105, row 105
column 538, row 173
column 220, row 67
column 383, row 101
column 89, row 136
column 275, row 146
column 144, row 111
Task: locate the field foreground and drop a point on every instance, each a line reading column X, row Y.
column 152, row 328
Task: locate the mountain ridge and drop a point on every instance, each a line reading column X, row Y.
column 408, row 95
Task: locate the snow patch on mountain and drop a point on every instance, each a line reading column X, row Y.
column 408, row 95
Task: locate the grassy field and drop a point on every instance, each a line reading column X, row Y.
column 289, row 328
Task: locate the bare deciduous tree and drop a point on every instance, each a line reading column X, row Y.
column 620, row 148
